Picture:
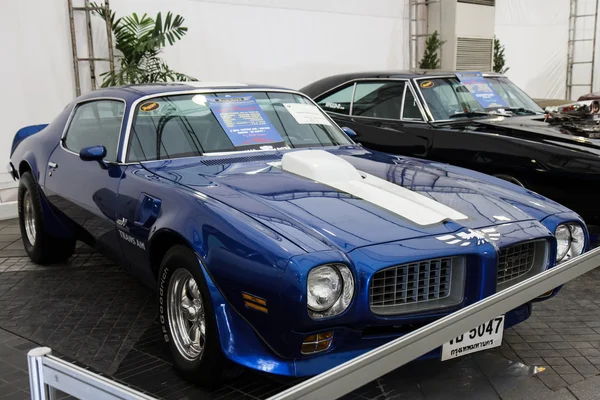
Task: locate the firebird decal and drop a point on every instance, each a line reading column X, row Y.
column 471, row 236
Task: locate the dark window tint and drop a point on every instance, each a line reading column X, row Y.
column 184, row 126
column 97, row 123
column 378, row 99
column 339, row 101
column 411, row 109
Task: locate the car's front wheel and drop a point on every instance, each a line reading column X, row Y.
column 40, row 246
column 188, row 321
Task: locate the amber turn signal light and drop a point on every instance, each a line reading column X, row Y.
column 317, row 343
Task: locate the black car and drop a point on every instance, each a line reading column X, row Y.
column 438, row 116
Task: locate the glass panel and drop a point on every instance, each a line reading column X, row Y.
column 513, row 95
column 338, row 102
column 411, row 109
column 448, row 98
column 185, row 126
column 97, row 123
column 378, row 99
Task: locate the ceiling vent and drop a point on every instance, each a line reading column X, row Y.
column 474, row 54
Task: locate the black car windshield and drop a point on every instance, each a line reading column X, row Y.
column 190, row 125
column 448, row 99
column 515, row 98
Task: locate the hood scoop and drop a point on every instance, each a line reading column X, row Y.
column 334, row 171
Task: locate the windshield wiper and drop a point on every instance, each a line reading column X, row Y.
column 470, row 114
column 520, row 110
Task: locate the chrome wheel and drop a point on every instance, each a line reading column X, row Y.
column 187, row 321
column 29, row 218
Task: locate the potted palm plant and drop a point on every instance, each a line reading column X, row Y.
column 139, row 42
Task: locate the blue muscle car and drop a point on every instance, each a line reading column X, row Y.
column 273, row 240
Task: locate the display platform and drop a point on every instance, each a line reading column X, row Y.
column 90, row 312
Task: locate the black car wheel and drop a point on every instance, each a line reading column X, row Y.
column 188, row 320
column 39, row 245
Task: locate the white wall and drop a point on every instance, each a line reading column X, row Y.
column 282, row 42
column 37, row 77
column 535, row 34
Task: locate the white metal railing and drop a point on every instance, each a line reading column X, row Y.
column 48, row 374
column 363, row 369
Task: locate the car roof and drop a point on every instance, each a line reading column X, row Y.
column 325, row 84
column 133, row 92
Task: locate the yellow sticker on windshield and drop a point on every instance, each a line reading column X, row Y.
column 426, row 84
column 149, row 106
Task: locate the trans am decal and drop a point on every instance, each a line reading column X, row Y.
column 471, row 237
column 132, row 240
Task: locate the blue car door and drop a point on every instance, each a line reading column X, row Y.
column 84, row 191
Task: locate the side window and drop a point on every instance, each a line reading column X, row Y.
column 378, row 99
column 338, row 102
column 96, row 123
column 411, row 109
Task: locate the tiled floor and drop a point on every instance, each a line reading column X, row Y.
column 92, row 313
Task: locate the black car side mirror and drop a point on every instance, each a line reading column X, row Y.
column 94, row 153
column 349, row 131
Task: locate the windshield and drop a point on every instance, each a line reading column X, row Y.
column 449, row 98
column 513, row 95
column 190, row 125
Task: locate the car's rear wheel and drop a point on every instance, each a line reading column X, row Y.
column 40, row 246
column 188, row 320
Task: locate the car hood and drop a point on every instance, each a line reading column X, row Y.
column 318, row 211
column 534, row 128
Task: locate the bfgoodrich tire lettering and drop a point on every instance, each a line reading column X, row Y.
column 206, row 365
column 39, row 245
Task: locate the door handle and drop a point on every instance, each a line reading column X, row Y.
column 53, row 165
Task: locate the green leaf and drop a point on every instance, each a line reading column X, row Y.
column 140, row 40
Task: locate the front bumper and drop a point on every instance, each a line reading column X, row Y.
column 275, row 348
column 242, row 345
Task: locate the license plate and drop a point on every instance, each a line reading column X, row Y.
column 486, row 336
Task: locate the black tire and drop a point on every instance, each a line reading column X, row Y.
column 42, row 248
column 211, row 367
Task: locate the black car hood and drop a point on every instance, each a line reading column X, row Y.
column 535, row 129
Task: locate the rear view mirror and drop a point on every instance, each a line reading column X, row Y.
column 350, row 132
column 94, row 153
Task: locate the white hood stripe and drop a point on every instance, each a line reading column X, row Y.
column 331, row 170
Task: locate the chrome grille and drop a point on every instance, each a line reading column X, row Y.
column 416, row 286
column 515, row 261
column 521, row 261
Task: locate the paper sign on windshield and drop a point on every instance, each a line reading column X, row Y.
column 306, row 114
column 244, row 121
column 480, row 88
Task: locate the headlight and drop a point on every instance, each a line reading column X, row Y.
column 329, row 290
column 570, row 240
